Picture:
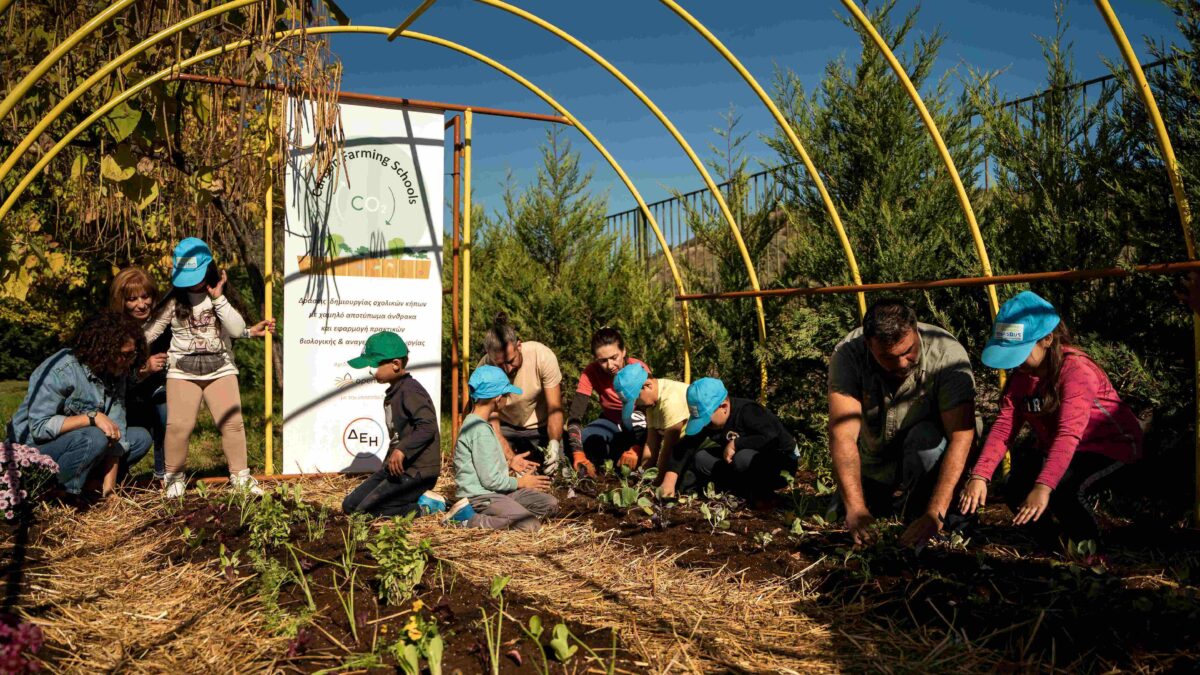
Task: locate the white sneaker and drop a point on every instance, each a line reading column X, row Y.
column 174, row 485
column 242, row 480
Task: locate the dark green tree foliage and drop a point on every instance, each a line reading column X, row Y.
column 886, row 178
column 547, row 262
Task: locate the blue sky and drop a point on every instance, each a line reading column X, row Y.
column 680, row 71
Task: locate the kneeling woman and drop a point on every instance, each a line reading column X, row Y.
column 1083, row 431
column 609, row 436
column 74, row 411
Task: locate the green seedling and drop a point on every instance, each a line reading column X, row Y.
column 534, row 633
column 193, row 539
column 559, row 642
column 419, row 639
column 763, row 539
column 493, row 634
column 401, row 562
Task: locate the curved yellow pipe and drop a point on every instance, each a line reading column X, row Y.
column 410, row 20
column 129, row 93
column 1181, row 199
column 105, row 71
column 847, row 249
column 687, row 148
column 18, row 92
column 963, row 199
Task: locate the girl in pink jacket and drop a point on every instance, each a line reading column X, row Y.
column 1083, row 431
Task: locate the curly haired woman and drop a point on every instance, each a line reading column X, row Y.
column 74, row 410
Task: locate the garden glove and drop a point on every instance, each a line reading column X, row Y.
column 553, row 456
column 630, row 458
column 582, row 464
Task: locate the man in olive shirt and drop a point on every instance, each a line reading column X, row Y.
column 901, row 421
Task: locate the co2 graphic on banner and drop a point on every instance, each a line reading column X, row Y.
column 362, row 253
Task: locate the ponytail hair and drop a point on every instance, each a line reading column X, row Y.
column 500, row 335
column 1056, row 355
column 607, row 336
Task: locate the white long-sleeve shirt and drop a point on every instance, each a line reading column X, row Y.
column 213, row 325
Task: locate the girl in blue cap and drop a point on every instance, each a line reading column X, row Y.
column 200, row 364
column 1083, row 431
column 488, row 496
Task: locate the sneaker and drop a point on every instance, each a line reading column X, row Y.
column 460, row 512
column 242, row 480
column 431, row 502
column 174, row 485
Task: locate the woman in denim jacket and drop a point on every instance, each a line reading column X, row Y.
column 74, row 410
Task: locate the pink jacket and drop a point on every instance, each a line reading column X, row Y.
column 1090, row 418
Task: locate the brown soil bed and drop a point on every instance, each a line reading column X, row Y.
column 455, row 602
column 1136, row 606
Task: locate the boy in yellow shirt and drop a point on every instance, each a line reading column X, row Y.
column 665, row 404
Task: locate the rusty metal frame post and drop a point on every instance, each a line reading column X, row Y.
column 455, row 365
column 1181, row 200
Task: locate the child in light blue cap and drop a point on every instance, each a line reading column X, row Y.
column 488, row 496
column 734, row 443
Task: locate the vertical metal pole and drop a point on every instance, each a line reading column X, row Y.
column 455, row 245
column 466, row 245
column 1181, row 200
column 268, row 291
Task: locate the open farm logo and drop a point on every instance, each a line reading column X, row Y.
column 363, row 436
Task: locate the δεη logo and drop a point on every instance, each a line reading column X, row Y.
column 363, row 436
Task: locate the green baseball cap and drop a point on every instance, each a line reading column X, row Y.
column 380, row 347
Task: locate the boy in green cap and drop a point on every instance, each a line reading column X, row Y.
column 413, row 459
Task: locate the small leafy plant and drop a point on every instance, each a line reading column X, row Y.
column 401, row 562
column 636, row 489
column 270, row 523
column 419, row 639
column 493, row 633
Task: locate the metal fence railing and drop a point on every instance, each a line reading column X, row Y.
column 764, row 189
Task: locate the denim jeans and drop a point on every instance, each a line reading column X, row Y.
column 151, row 414
column 80, row 451
column 383, row 494
column 604, row 439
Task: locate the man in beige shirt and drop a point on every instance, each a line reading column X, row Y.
column 532, row 421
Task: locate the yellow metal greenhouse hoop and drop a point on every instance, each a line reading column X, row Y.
column 129, row 93
column 847, row 248
column 1181, row 200
column 963, row 200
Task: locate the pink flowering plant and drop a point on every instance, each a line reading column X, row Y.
column 19, row 641
column 25, row 475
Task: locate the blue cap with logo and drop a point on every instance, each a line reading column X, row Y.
column 704, row 396
column 190, row 262
column 490, row 382
column 628, row 385
column 1021, row 322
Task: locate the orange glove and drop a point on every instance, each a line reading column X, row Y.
column 630, row 458
column 582, row 464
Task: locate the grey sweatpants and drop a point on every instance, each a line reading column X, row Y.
column 517, row 510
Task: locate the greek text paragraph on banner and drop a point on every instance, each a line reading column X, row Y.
column 362, row 254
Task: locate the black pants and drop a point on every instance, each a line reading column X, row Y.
column 383, row 494
column 1069, row 502
column 753, row 473
column 526, row 440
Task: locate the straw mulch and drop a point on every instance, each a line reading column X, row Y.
column 110, row 601
column 674, row 619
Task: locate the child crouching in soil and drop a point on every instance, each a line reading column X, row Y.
column 488, row 496
column 414, row 458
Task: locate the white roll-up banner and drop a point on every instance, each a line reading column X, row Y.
column 362, row 254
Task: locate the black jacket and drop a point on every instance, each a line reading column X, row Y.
column 756, row 427
column 413, row 427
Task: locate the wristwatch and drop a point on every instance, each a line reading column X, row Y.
column 91, row 415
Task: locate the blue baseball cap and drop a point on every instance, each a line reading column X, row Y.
column 704, row 396
column 190, row 262
column 1021, row 322
column 490, row 382
column 628, row 385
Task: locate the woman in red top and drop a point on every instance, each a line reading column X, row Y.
column 607, row 437
column 1083, row 431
